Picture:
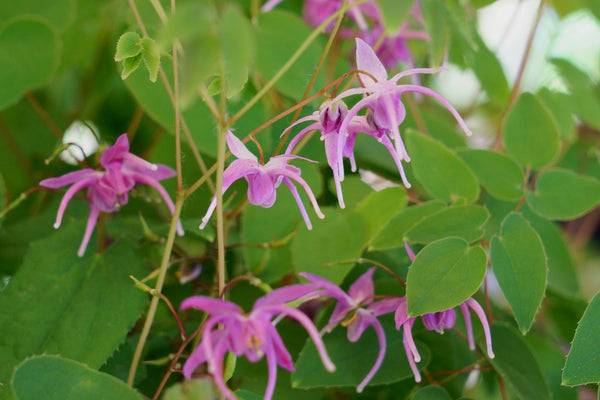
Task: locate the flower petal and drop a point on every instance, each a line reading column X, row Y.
column 363, row 287
column 238, row 148
column 286, row 294
column 366, row 60
column 116, row 152
column 210, row 305
column 69, row 178
column 89, row 228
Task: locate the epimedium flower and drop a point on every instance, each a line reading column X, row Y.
column 253, row 335
column 350, row 312
column 108, row 189
column 328, row 122
column 263, row 180
column 383, row 99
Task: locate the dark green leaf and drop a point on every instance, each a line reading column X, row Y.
column 530, row 133
column 561, row 194
column 393, row 234
column 62, row 304
column 444, row 274
column 519, row 263
column 517, row 365
column 353, row 361
column 442, row 173
column 497, row 173
column 237, row 43
column 55, row 378
column 29, row 55
column 246, row 395
column 151, row 56
column 431, row 393
column 129, row 45
column 462, row 221
column 583, row 362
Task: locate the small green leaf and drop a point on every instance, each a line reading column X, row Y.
column 519, row 263
column 561, row 194
column 517, row 365
column 353, row 361
column 498, row 174
column 55, row 378
column 394, row 13
column 431, row 393
column 151, row 56
column 237, row 43
column 583, row 361
column 444, row 274
column 530, row 133
column 129, row 65
column 393, row 234
column 129, row 45
column 442, row 173
column 462, row 221
column 195, row 389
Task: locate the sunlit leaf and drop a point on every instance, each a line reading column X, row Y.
column 129, row 45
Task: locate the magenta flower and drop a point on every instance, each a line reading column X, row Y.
column 328, row 121
column 384, row 99
column 359, row 294
column 252, row 335
column 108, row 190
column 263, row 180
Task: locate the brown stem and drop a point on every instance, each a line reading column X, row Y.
column 48, row 121
column 134, row 124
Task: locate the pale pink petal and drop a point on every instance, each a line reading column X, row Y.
column 366, row 60
column 415, row 71
column 89, row 228
column 269, row 5
column 69, row 195
column 301, row 207
column 210, row 305
column 374, row 322
column 468, row 325
column 486, row 327
column 411, row 254
column 238, row 148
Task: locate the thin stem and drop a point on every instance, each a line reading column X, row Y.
column 48, row 121
column 382, row 266
column 220, row 168
column 177, row 114
column 314, row 34
column 514, row 94
column 134, row 124
column 210, row 103
column 164, row 265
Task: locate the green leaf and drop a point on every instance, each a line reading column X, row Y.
column 190, row 20
column 583, row 361
column 519, row 263
column 129, row 65
column 530, row 133
column 562, row 270
column 444, row 274
column 462, row 221
column 246, row 395
column 59, row 303
column 339, row 237
column 151, row 56
column 431, row 393
column 394, row 13
column 379, row 207
column 497, row 173
column 202, row 61
column 562, row 195
column 280, row 34
column 435, row 14
column 560, row 108
column 490, row 74
column 58, row 13
column 393, row 234
column 129, row 45
column 442, row 173
column 195, row 389
column 237, row 43
column 29, row 55
column 55, row 378
column 353, row 361
column 2, row 197
column 517, row 365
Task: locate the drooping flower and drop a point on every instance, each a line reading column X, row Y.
column 263, row 180
column 252, row 335
column 352, row 304
column 328, row 122
column 108, row 189
column 383, row 99
column 437, row 321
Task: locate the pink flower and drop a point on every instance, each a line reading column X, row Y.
column 263, row 180
column 252, row 335
column 108, row 190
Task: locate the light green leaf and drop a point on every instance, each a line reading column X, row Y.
column 560, row 108
column 58, row 13
column 490, row 74
column 497, row 173
column 129, row 45
column 29, row 56
column 237, row 43
column 195, row 389
column 435, row 14
column 379, row 207
column 393, row 234
column 59, row 303
column 530, row 133
column 190, row 20
column 339, row 237
column 55, row 378
column 462, row 221
column 519, row 263
column 129, row 65
column 431, row 393
column 517, row 365
column 583, row 361
column 561, row 194
column 151, row 56
column 442, row 173
column 444, row 274
column 353, row 361
column 394, row 13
